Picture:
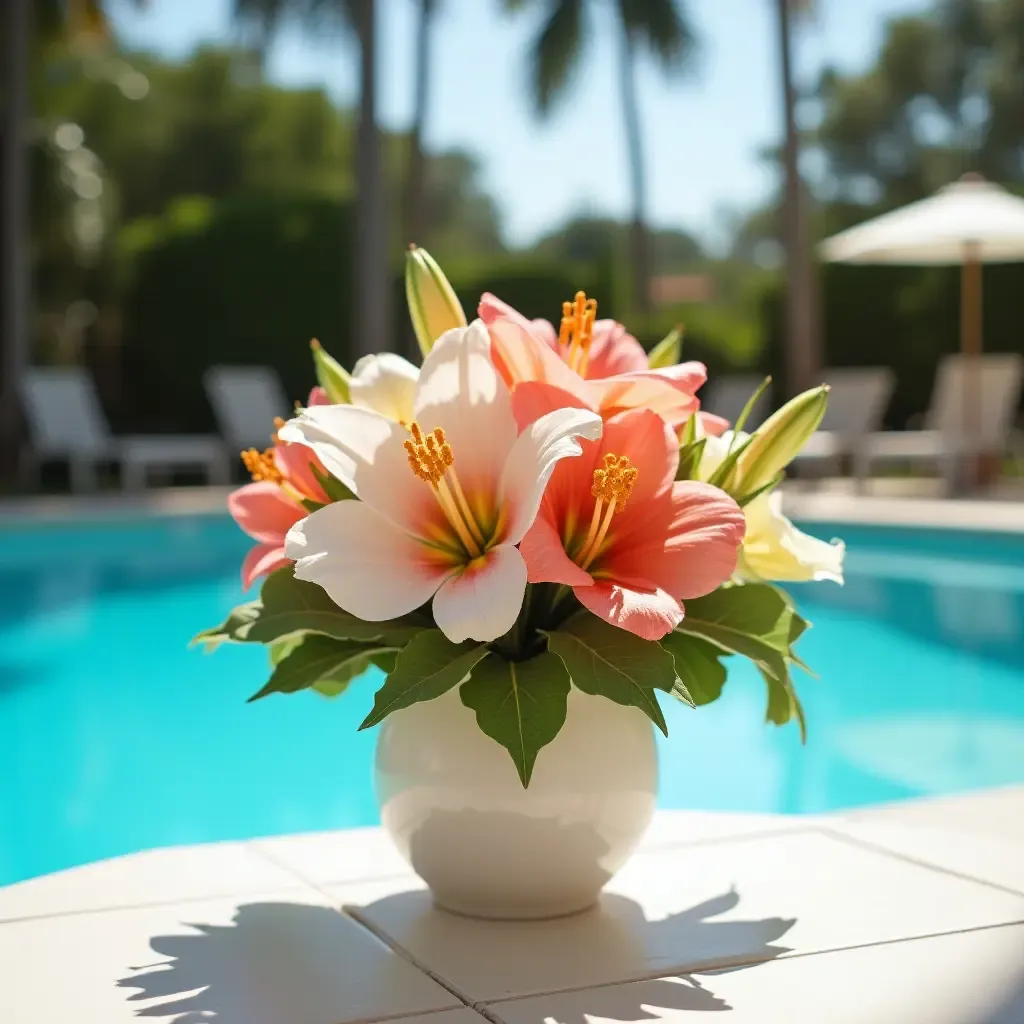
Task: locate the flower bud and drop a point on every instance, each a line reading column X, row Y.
column 331, row 375
column 777, row 441
column 668, row 351
column 433, row 305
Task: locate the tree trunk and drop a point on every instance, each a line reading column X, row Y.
column 417, row 213
column 14, row 241
column 639, row 243
column 372, row 298
column 802, row 358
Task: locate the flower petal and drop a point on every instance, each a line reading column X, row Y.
column 460, row 391
column 318, row 396
column 532, row 460
column 366, row 564
column 774, row 549
column 492, row 308
column 651, row 446
column 385, row 383
column 483, row 601
column 296, row 461
column 641, row 391
column 650, row 614
column 614, row 350
column 546, row 560
column 262, row 560
column 688, row 546
column 520, row 356
column 264, row 511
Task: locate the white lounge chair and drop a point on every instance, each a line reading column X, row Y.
column 66, row 423
column 245, row 400
column 726, row 396
column 944, row 442
column 856, row 405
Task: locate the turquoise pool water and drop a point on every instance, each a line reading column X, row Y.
column 115, row 737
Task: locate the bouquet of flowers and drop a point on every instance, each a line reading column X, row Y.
column 532, row 509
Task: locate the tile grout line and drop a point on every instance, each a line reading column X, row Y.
column 866, row 844
column 771, row 832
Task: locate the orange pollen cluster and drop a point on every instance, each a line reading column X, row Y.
column 614, row 483
column 261, row 465
column 430, row 455
column 576, row 329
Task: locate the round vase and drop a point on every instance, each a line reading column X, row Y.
column 453, row 804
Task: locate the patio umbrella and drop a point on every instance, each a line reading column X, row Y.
column 970, row 222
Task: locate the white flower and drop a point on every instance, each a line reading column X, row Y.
column 419, row 529
column 385, row 383
column 773, row 548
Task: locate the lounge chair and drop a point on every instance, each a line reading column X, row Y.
column 726, row 396
column 245, row 400
column 944, row 442
column 66, row 423
column 856, row 404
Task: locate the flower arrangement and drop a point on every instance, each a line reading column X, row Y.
column 532, row 509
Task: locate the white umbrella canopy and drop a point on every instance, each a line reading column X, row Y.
column 972, row 220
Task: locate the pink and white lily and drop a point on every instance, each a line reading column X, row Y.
column 616, row 526
column 443, row 499
column 267, row 508
column 524, row 351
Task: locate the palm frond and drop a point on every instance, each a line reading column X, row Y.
column 663, row 28
column 556, row 51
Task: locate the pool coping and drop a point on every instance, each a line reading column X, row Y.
column 991, row 515
column 871, row 905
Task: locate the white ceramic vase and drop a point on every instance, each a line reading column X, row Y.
column 452, row 802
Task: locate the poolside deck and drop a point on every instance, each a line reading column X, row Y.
column 905, row 913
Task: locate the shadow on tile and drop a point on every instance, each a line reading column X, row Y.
column 278, row 962
column 491, row 961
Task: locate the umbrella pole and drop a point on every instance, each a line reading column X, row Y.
column 970, row 341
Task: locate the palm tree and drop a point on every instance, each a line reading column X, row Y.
column 372, row 306
column 802, row 357
column 660, row 27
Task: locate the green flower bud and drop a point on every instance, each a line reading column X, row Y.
column 330, row 375
column 776, row 442
column 433, row 305
column 668, row 351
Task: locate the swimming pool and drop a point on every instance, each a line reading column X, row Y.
column 115, row 737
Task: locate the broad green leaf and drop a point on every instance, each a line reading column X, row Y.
column 294, row 606
column 280, row 650
column 333, row 487
column 701, row 674
column 668, row 351
column 614, row 663
column 521, row 704
column 427, row 667
column 689, row 459
column 783, row 703
column 375, row 656
column 753, row 620
column 237, row 622
column 317, row 662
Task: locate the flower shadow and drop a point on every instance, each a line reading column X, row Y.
column 598, row 955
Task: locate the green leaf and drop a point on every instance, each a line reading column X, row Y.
column 280, row 650
column 333, row 487
column 237, row 622
column 668, row 351
column 330, row 374
column 520, row 704
column 723, row 476
column 375, row 656
column 701, row 674
column 783, row 703
column 316, row 662
column 614, row 663
column 753, row 620
column 746, row 499
column 429, row 666
column 294, row 606
column 689, row 459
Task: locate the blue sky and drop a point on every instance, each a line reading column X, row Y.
column 703, row 133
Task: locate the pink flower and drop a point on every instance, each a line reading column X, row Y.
column 523, row 351
column 612, row 349
column 271, row 505
column 617, row 527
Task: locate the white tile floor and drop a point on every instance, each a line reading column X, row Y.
column 910, row 914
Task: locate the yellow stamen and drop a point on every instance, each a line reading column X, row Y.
column 261, row 466
column 432, row 461
column 613, row 484
column 576, row 328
